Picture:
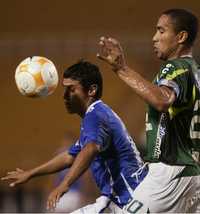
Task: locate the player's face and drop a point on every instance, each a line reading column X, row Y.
column 165, row 40
column 75, row 97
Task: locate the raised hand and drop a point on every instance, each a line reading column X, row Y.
column 112, row 53
column 54, row 197
column 17, row 176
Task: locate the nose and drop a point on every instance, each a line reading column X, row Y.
column 66, row 94
column 155, row 37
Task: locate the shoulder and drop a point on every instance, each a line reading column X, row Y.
column 97, row 112
column 174, row 68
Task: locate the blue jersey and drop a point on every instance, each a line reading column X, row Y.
column 117, row 168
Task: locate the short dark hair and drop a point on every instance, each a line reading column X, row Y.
column 87, row 74
column 184, row 21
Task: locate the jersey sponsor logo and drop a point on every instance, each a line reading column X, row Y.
column 147, row 124
column 167, row 68
column 160, row 134
column 149, row 127
column 173, row 72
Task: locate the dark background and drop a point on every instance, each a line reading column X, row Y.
column 65, row 31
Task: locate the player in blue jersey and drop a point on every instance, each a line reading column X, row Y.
column 104, row 145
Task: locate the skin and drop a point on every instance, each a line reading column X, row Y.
column 76, row 100
column 167, row 45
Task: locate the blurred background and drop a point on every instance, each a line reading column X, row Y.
column 34, row 130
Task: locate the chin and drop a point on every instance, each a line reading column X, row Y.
column 70, row 111
column 164, row 58
column 161, row 56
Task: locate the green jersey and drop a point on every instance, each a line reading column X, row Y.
column 173, row 136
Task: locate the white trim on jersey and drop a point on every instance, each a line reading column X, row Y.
column 91, row 107
column 130, row 190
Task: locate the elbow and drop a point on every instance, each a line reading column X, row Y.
column 161, row 106
column 166, row 99
column 162, row 103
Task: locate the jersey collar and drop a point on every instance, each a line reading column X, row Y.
column 91, row 107
column 186, row 55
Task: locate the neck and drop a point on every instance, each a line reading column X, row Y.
column 87, row 104
column 181, row 52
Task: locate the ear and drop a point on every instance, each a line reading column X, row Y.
column 182, row 37
column 93, row 90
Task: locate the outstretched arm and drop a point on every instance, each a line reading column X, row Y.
column 112, row 53
column 61, row 161
column 80, row 165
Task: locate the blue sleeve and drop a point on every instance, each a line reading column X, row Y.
column 96, row 129
column 74, row 149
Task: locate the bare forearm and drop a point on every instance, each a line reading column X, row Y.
column 150, row 93
column 56, row 164
column 112, row 53
column 81, row 164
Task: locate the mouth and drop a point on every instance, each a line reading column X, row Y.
column 155, row 48
column 67, row 103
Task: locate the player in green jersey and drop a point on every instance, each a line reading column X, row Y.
column 173, row 116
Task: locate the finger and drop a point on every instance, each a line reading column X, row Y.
column 51, row 205
column 12, row 184
column 102, row 57
column 102, row 38
column 54, row 203
column 101, row 43
column 4, row 178
column 11, row 173
column 15, row 183
column 48, row 205
column 8, row 177
column 114, row 45
column 19, row 170
column 57, row 198
column 113, row 41
column 107, row 42
column 104, row 49
column 108, row 59
column 11, row 176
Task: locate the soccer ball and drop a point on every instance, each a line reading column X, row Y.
column 36, row 77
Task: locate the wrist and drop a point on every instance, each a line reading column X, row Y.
column 31, row 173
column 121, row 69
column 64, row 186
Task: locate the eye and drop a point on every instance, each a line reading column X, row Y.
column 161, row 30
column 72, row 89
